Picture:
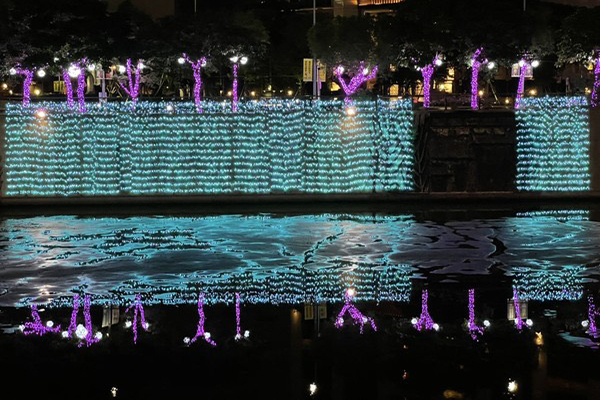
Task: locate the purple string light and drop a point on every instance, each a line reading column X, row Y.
column 234, row 105
column 476, row 64
column 81, row 85
column 362, row 75
column 138, row 309
column 521, row 88
column 28, row 74
column 592, row 314
column 36, row 327
column 517, row 305
column 596, row 91
column 133, row 89
column 474, row 330
column 425, row 321
column 357, row 317
column 200, row 332
column 197, row 68
column 89, row 338
column 238, row 328
column 427, row 72
column 68, row 88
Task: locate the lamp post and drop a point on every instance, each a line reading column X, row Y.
column 236, row 60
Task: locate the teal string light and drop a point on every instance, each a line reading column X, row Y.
column 546, row 284
column 553, row 144
column 274, row 146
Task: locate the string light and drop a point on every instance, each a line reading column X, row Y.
column 593, row 313
column 523, row 65
column 85, row 333
column 133, row 88
column 427, row 72
column 517, row 305
column 475, row 65
column 362, row 75
column 138, row 308
column 197, row 68
column 269, row 146
column 68, row 88
column 234, row 104
column 549, row 285
column 200, row 331
column 474, row 329
column 553, row 144
column 37, row 327
column 357, row 317
column 28, row 74
column 425, row 321
column 596, row 90
column 238, row 328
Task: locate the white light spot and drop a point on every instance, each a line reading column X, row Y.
column 513, row 386
column 585, row 323
column 438, row 62
column 414, row 321
column 535, row 64
column 529, row 322
column 207, row 335
column 50, row 324
column 98, row 335
column 81, row 332
column 64, row 334
column 486, row 323
column 312, row 389
column 74, row 71
column 436, row 327
column 121, row 69
column 186, row 340
column 128, row 324
column 246, row 334
column 491, row 65
column 91, row 67
column 12, row 71
column 41, row 73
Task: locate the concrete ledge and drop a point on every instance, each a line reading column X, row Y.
column 241, row 199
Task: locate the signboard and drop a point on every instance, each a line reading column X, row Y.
column 515, row 71
column 309, row 311
column 59, row 87
column 307, row 70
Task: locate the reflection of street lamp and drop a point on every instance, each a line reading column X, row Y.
column 236, row 60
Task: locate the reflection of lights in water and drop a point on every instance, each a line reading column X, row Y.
column 529, row 322
column 539, row 339
column 436, row 327
column 113, row 391
column 549, row 285
column 312, row 389
column 81, row 332
column 512, row 386
column 186, row 340
column 414, row 321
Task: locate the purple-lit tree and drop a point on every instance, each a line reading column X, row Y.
column 474, row 329
column 66, row 73
column 197, row 68
column 138, row 308
column 133, row 80
column 518, row 320
column 425, row 321
column 200, row 331
column 238, row 327
column 37, row 327
column 523, row 65
column 357, row 317
column 476, row 62
column 593, row 313
column 427, row 73
column 361, row 76
column 595, row 101
column 84, row 332
column 28, row 74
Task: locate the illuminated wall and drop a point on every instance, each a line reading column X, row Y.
column 160, row 148
column 553, row 142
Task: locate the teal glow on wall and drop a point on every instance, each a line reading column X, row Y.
column 275, row 146
column 553, row 143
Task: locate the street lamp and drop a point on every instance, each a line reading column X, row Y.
column 236, row 60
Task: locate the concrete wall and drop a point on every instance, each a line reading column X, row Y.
column 466, row 150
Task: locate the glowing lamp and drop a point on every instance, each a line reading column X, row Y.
column 41, row 73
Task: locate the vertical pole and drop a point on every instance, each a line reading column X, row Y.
column 315, row 73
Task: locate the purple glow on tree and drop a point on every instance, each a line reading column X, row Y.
column 197, row 68
column 28, row 74
column 521, row 88
column 476, row 64
column 474, row 329
column 357, row 317
column 425, row 321
column 89, row 338
column 362, row 75
column 427, row 72
column 138, row 310
column 133, row 84
column 592, row 314
column 238, row 328
column 596, row 91
column 81, row 85
column 37, row 327
column 68, row 88
column 234, row 105
column 518, row 320
column 200, row 331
